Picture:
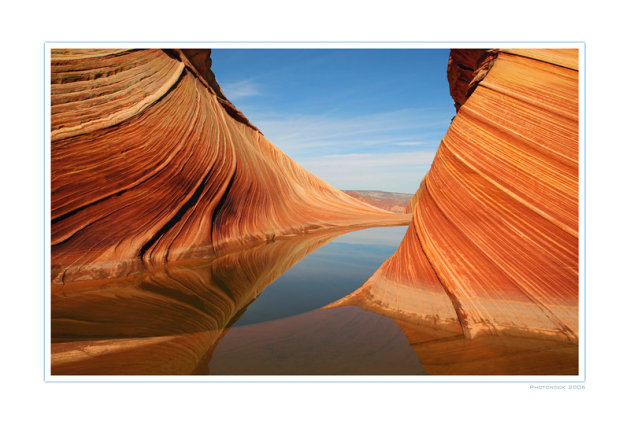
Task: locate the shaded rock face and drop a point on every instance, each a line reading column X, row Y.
column 151, row 163
column 463, row 67
column 493, row 245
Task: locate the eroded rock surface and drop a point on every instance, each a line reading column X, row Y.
column 151, row 163
column 493, row 246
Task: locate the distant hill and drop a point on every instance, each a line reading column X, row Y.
column 394, row 202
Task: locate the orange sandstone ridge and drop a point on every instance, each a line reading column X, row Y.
column 151, row 163
column 493, row 245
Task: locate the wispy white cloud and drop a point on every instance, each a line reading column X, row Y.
column 410, row 143
column 304, row 135
column 372, row 160
column 240, row 89
column 396, row 171
column 389, row 151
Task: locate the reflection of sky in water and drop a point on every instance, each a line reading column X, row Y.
column 328, row 274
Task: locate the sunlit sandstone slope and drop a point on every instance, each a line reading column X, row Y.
column 151, row 163
column 493, row 245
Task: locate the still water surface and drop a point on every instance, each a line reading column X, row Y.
column 284, row 331
column 258, row 311
column 330, row 273
column 250, row 312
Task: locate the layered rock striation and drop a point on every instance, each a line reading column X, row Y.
column 493, row 245
column 151, row 163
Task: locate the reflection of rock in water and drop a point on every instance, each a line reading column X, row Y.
column 167, row 321
column 486, row 278
column 340, row 341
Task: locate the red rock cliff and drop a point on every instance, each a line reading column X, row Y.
column 150, row 162
column 493, row 245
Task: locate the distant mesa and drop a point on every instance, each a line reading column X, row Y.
column 151, row 163
column 393, row 202
column 493, row 247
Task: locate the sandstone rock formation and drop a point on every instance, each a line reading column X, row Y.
column 151, row 163
column 493, row 246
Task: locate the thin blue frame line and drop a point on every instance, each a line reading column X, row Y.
column 308, row 382
column 44, row 220
column 584, row 201
column 322, row 42
column 318, row 381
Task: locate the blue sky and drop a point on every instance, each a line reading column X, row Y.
column 362, row 119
